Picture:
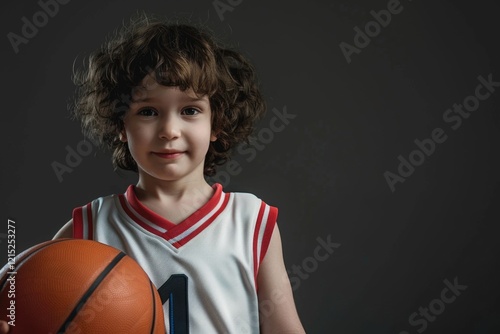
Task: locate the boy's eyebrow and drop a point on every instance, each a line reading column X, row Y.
column 196, row 99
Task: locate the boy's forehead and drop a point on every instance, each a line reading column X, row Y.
column 140, row 92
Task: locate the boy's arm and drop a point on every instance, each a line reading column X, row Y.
column 278, row 314
column 66, row 231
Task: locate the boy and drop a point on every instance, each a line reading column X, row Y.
column 171, row 103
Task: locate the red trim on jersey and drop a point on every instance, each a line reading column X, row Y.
column 90, row 222
column 204, row 225
column 270, row 223
column 172, row 230
column 136, row 219
column 256, row 240
column 266, row 240
column 78, row 223
column 145, row 212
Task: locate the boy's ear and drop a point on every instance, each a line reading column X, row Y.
column 213, row 136
column 122, row 136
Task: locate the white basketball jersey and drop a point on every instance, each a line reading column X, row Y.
column 210, row 260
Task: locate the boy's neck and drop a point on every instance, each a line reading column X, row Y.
column 155, row 189
column 185, row 196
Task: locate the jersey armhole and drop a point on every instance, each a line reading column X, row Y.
column 83, row 222
column 77, row 223
column 268, row 232
column 264, row 227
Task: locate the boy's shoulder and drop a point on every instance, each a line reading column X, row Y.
column 105, row 199
column 239, row 198
column 249, row 202
column 245, row 196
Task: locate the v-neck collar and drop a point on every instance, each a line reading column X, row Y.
column 176, row 234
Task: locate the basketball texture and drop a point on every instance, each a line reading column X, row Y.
column 78, row 286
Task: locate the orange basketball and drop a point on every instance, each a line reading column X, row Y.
column 78, row 286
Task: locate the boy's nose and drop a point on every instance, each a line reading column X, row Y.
column 169, row 129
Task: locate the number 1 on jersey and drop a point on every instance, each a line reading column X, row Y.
column 175, row 292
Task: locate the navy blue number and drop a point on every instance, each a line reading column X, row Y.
column 175, row 292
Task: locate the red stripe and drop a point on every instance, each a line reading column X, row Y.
column 135, row 218
column 90, row 222
column 173, row 230
column 78, row 223
column 145, row 212
column 204, row 225
column 268, row 232
column 256, row 240
column 197, row 215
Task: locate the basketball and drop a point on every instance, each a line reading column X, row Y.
column 78, row 286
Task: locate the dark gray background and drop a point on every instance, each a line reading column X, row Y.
column 325, row 170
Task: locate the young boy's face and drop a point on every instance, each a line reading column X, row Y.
column 168, row 131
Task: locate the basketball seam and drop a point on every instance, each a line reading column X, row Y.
column 154, row 307
column 90, row 290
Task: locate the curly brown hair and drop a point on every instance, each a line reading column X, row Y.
column 182, row 55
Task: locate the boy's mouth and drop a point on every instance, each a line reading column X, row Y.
column 169, row 154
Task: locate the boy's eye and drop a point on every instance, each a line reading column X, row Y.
column 147, row 112
column 190, row 111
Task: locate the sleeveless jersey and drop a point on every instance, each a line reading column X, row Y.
column 205, row 267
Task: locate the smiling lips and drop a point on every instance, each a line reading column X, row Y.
column 169, row 154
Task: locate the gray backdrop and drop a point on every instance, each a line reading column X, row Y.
column 388, row 191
